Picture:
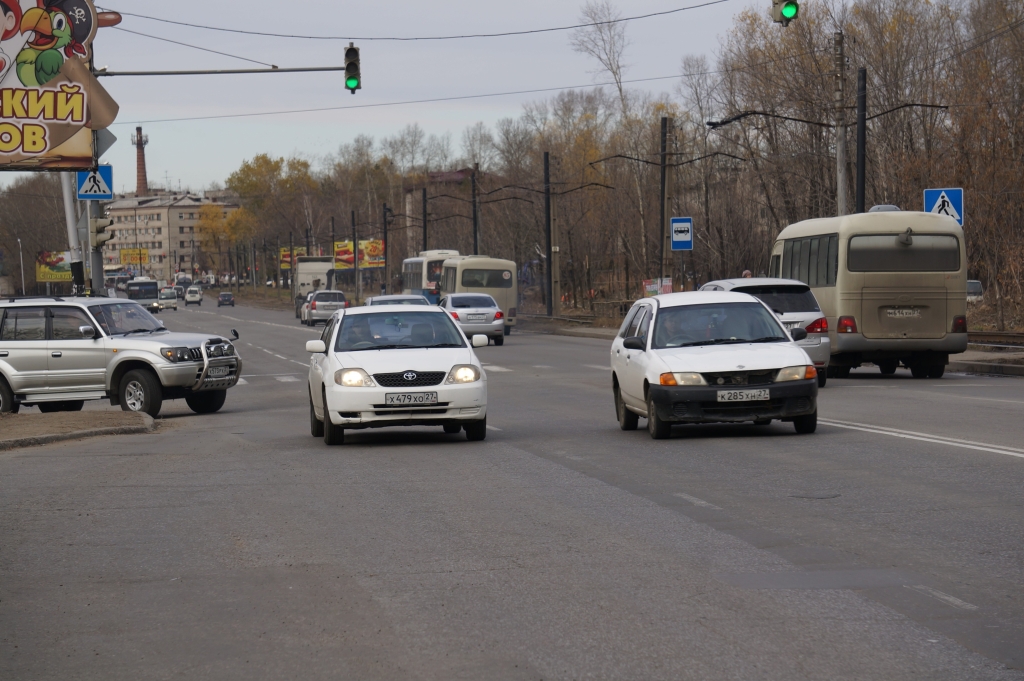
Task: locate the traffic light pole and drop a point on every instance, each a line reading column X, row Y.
column 547, row 230
column 67, row 185
column 387, row 260
column 95, row 254
column 664, row 199
column 862, row 133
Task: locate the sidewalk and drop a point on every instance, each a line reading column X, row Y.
column 28, row 430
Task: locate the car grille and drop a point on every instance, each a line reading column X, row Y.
column 398, row 380
column 740, row 378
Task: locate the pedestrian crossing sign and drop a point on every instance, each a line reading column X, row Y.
column 945, row 202
column 96, row 185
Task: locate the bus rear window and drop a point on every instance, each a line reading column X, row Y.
column 885, row 253
column 487, row 279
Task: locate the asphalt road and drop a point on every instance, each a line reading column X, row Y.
column 888, row 545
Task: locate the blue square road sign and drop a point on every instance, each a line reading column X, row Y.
column 949, row 201
column 682, row 234
column 96, row 185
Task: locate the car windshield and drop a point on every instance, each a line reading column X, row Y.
column 391, row 330
column 400, row 301
column 121, row 318
column 717, row 324
column 473, row 301
column 783, row 299
column 168, row 295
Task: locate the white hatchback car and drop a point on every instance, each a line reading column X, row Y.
column 395, row 365
column 194, row 296
column 710, row 357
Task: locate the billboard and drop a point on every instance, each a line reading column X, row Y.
column 285, row 259
column 371, row 254
column 343, row 256
column 50, row 103
column 653, row 287
column 53, row 265
column 134, row 256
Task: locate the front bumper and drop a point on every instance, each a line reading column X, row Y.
column 699, row 404
column 365, row 407
column 195, row 376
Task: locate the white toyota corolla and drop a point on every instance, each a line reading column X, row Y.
column 395, row 365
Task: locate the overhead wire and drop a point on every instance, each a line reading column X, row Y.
column 194, row 47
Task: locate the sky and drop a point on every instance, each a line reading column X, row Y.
column 196, row 154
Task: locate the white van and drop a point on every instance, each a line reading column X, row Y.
column 483, row 274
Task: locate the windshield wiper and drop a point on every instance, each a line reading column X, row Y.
column 765, row 339
column 714, row 341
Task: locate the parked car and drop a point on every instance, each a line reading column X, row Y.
column 707, row 357
column 795, row 305
column 975, row 291
column 168, row 300
column 397, row 300
column 193, row 296
column 58, row 353
column 226, row 298
column 301, row 302
column 476, row 313
column 395, row 365
column 321, row 305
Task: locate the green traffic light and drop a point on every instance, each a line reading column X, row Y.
column 790, row 10
column 352, row 83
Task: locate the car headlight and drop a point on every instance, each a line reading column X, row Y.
column 682, row 378
column 353, row 378
column 176, row 354
column 463, row 373
column 800, row 373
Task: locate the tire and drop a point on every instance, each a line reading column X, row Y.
column 805, row 425
column 888, row 367
column 72, row 405
column 499, row 340
column 333, row 435
column 659, row 430
column 936, row 370
column 140, row 391
column 919, row 370
column 207, row 402
column 476, row 431
column 316, row 426
column 763, row 422
column 453, row 428
column 7, row 402
column 841, row 372
column 508, row 330
column 822, row 379
column 627, row 419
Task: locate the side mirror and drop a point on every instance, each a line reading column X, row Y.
column 316, row 346
column 234, row 335
column 798, row 334
column 634, row 343
column 87, row 331
column 480, row 341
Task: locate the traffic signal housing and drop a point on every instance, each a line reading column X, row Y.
column 98, row 234
column 353, row 75
column 785, row 11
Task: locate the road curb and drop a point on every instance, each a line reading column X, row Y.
column 148, row 426
column 988, row 368
column 546, row 328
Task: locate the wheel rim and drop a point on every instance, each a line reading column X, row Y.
column 134, row 396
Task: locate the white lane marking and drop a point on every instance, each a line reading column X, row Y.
column 287, row 379
column 496, row 369
column 242, row 381
column 301, row 364
column 597, row 366
column 280, row 356
column 255, row 321
column 493, row 428
column 266, row 351
column 697, row 502
column 944, row 597
column 924, row 437
column 541, row 366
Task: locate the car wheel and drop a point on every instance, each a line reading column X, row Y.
column 7, row 403
column 822, row 379
column 659, row 430
column 806, row 424
column 453, row 428
column 476, row 431
column 333, row 435
column 888, row 367
column 627, row 419
column 936, row 370
column 316, row 426
column 140, row 391
column 499, row 340
column 207, row 402
column 919, row 370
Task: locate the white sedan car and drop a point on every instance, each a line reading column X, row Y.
column 710, row 357
column 395, row 365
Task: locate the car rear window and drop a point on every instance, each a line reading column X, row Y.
column 784, row 298
column 330, row 297
column 473, row 301
column 887, row 253
column 974, row 288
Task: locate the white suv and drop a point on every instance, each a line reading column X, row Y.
column 58, row 353
column 194, row 296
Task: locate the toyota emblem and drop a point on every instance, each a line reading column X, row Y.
column 410, row 376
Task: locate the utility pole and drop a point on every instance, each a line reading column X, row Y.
column 839, row 53
column 355, row 260
column 424, row 217
column 862, row 131
column 556, row 270
column 663, row 207
column 387, row 260
column 547, row 228
column 291, row 261
column 333, row 252
column 253, row 266
column 67, row 185
column 476, row 217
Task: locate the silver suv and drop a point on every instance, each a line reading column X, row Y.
column 56, row 353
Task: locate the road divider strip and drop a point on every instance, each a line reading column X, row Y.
column 925, row 437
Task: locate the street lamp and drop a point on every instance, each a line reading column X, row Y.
column 21, row 258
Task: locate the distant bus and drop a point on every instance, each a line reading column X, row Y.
column 421, row 276
column 483, row 274
column 146, row 292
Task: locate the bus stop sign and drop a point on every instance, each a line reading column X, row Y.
column 682, row 234
column 945, row 202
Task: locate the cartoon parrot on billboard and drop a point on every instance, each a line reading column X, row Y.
column 58, row 28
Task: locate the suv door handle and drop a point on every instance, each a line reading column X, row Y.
column 56, row 354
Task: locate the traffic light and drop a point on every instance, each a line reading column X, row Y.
column 97, row 232
column 784, row 11
column 353, row 77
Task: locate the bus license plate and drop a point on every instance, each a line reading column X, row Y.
column 903, row 312
column 743, row 395
column 415, row 399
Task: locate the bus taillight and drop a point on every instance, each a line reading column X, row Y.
column 847, row 325
column 960, row 324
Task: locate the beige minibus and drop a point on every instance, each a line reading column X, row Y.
column 892, row 285
column 483, row 274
